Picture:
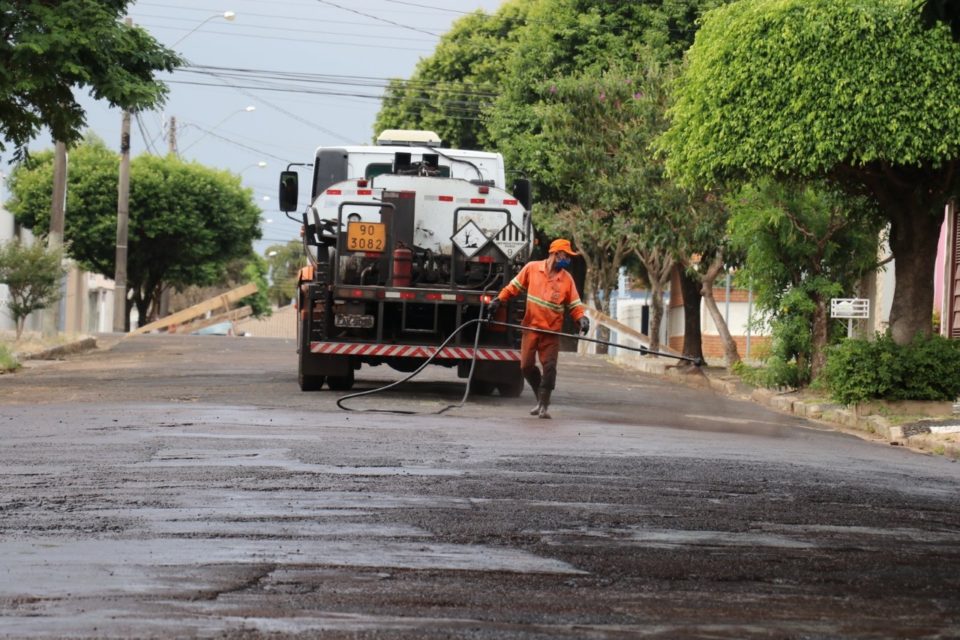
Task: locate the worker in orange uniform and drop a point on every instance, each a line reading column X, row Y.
column 550, row 293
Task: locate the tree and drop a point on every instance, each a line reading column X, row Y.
column 50, row 49
column 704, row 253
column 935, row 11
column 283, row 264
column 816, row 89
column 804, row 244
column 187, row 221
column 610, row 193
column 450, row 91
column 565, row 38
column 32, row 275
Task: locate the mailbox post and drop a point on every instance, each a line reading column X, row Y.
column 851, row 309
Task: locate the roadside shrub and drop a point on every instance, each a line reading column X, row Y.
column 925, row 369
column 7, row 361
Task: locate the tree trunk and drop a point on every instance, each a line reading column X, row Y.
column 692, row 337
column 21, row 323
column 819, row 337
column 143, row 305
column 656, row 313
column 603, row 333
column 730, row 351
column 659, row 266
column 914, row 235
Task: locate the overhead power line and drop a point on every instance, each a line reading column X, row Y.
column 317, row 42
column 378, row 36
column 378, row 18
column 358, row 81
column 467, row 112
column 424, row 6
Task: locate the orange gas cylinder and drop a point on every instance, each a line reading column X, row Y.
column 402, row 267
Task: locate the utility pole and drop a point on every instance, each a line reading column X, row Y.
column 123, row 218
column 51, row 318
column 172, row 146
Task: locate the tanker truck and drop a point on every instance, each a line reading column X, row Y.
column 406, row 241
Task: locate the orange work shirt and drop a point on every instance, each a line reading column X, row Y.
column 549, row 295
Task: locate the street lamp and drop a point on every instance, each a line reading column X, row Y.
column 259, row 165
column 229, row 16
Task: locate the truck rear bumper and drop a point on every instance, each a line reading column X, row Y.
column 413, row 351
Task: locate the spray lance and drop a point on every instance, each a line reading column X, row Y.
column 484, row 320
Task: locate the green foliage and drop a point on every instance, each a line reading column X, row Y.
column 186, row 223
column 803, row 244
column 32, row 275
column 51, row 50
column 584, row 38
column 816, row 89
column 928, row 368
column 256, row 271
column 450, row 91
column 7, row 361
column 608, row 190
column 285, row 261
column 802, row 86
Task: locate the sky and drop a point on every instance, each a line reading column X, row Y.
column 356, row 44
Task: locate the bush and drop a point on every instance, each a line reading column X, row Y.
column 925, row 369
column 776, row 373
column 7, row 361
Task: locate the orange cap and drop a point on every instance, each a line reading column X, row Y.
column 562, row 245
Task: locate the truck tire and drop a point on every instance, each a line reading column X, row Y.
column 310, row 383
column 482, row 387
column 306, row 381
column 341, row 383
column 511, row 389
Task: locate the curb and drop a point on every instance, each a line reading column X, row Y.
column 60, row 351
column 846, row 418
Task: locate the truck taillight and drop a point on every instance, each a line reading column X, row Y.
column 510, row 201
column 484, row 189
column 361, row 183
column 486, row 299
column 334, row 192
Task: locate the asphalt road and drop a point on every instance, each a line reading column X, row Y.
column 184, row 486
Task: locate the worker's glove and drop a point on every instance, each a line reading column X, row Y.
column 492, row 309
column 584, row 325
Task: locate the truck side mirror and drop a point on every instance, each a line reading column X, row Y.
column 523, row 192
column 289, row 190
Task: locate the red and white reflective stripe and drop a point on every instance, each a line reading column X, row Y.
column 412, row 351
column 349, row 192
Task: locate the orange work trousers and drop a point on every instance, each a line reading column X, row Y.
column 547, row 348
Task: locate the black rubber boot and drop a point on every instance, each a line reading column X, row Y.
column 544, row 403
column 536, row 410
column 534, row 379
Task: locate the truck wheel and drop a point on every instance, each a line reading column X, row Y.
column 482, row 387
column 341, row 383
column 310, row 383
column 511, row 389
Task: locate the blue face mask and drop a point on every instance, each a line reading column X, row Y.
column 563, row 263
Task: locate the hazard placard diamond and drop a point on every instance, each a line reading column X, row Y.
column 469, row 239
column 510, row 240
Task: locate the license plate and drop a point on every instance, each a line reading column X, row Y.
column 366, row 236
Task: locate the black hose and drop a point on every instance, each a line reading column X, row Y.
column 642, row 350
